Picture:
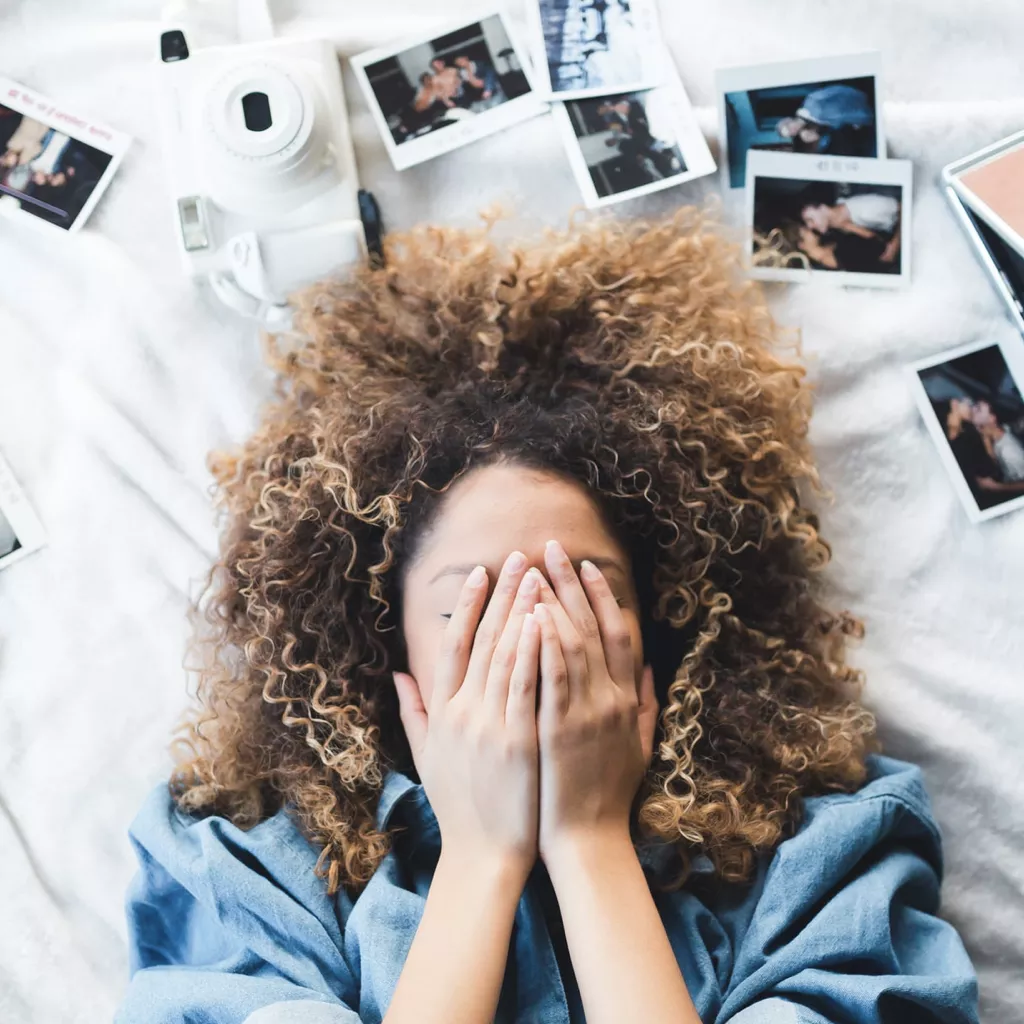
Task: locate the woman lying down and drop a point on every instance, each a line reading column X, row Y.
column 520, row 701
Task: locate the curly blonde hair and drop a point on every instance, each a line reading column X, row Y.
column 629, row 356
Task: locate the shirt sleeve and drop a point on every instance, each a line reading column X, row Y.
column 846, row 928
column 230, row 927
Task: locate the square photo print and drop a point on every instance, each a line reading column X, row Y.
column 829, row 105
column 434, row 94
column 971, row 402
column 54, row 164
column 835, row 218
column 589, row 47
column 21, row 533
column 626, row 145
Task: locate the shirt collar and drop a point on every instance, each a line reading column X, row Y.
column 396, row 786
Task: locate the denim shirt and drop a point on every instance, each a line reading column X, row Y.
column 839, row 925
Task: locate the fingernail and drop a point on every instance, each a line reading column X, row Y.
column 556, row 549
column 589, row 571
column 529, row 583
column 515, row 561
column 477, row 576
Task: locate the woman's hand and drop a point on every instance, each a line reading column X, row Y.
column 595, row 725
column 476, row 747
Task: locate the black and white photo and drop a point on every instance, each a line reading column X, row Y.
column 829, row 105
column 430, row 96
column 21, row 533
column 970, row 399
column 629, row 144
column 585, row 48
column 836, row 218
column 54, row 165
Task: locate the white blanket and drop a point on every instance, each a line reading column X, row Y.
column 118, row 377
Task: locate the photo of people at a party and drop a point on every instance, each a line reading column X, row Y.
column 447, row 80
column 48, row 173
column 854, row 228
column 978, row 406
column 592, row 44
column 836, row 117
column 627, row 141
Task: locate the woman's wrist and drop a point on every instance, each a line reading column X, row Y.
column 485, row 869
column 582, row 851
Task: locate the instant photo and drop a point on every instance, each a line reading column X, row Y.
column 1005, row 266
column 970, row 399
column 54, row 164
column 430, row 96
column 824, row 106
column 20, row 530
column 834, row 218
column 629, row 144
column 989, row 182
column 587, row 48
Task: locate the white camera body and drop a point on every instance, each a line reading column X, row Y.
column 261, row 166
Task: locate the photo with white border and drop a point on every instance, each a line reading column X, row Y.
column 971, row 401
column 583, row 48
column 840, row 219
column 21, row 533
column 55, row 164
column 822, row 106
column 432, row 94
column 625, row 145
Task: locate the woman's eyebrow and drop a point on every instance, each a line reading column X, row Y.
column 603, row 562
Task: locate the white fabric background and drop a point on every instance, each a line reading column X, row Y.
column 117, row 378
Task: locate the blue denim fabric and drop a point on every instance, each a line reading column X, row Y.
column 840, row 924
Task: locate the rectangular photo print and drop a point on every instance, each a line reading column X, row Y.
column 430, row 96
column 54, row 164
column 827, row 105
column 629, row 144
column 21, row 533
column 971, row 402
column 835, row 218
column 587, row 48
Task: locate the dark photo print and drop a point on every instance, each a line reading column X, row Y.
column 49, row 173
column 980, row 413
column 627, row 141
column 452, row 78
column 836, row 117
column 831, row 225
column 591, row 44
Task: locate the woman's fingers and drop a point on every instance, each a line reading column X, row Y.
column 572, row 646
column 573, row 599
column 458, row 637
column 492, row 625
column 412, row 712
column 554, row 689
column 615, row 636
column 521, row 705
column 506, row 654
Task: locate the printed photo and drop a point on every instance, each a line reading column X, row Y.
column 21, row 533
column 971, row 401
column 431, row 96
column 838, row 218
column 829, row 106
column 589, row 47
column 54, row 165
column 629, row 144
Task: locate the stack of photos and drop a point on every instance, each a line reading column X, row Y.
column 432, row 95
column 624, row 116
column 21, row 533
column 54, row 164
column 625, row 119
column 806, row 140
column 970, row 399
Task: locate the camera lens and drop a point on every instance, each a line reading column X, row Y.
column 173, row 46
